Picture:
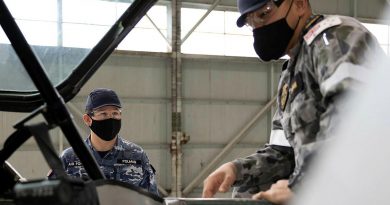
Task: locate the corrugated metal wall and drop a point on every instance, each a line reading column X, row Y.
column 220, row 97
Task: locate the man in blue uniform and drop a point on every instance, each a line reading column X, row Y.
column 118, row 159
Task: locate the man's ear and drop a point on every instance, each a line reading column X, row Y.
column 301, row 6
column 87, row 120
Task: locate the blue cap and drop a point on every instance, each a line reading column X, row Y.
column 101, row 97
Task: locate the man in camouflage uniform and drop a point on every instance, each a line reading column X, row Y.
column 118, row 159
column 329, row 56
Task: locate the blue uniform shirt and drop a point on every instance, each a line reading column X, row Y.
column 126, row 162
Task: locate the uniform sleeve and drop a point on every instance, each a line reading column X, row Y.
column 149, row 180
column 342, row 58
column 269, row 164
column 341, row 63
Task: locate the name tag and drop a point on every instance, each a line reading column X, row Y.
column 128, row 161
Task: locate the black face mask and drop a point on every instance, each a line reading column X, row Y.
column 270, row 41
column 106, row 129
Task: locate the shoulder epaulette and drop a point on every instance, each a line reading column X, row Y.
column 320, row 27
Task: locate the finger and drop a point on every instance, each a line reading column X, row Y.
column 267, row 194
column 207, row 194
column 258, row 196
column 280, row 195
column 226, row 184
column 209, row 188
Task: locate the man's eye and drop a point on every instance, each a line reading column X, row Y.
column 263, row 14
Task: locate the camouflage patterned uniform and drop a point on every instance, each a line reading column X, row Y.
column 333, row 55
column 126, row 162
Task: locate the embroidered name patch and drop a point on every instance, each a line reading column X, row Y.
column 75, row 163
column 128, row 161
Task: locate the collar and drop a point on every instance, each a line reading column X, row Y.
column 89, row 143
column 313, row 20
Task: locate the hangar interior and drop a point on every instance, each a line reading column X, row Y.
column 194, row 95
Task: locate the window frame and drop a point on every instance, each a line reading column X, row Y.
column 27, row 101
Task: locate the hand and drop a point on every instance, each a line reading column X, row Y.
column 220, row 180
column 279, row 193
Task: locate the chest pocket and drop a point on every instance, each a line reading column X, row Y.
column 303, row 106
column 108, row 171
column 303, row 113
column 130, row 171
column 76, row 169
